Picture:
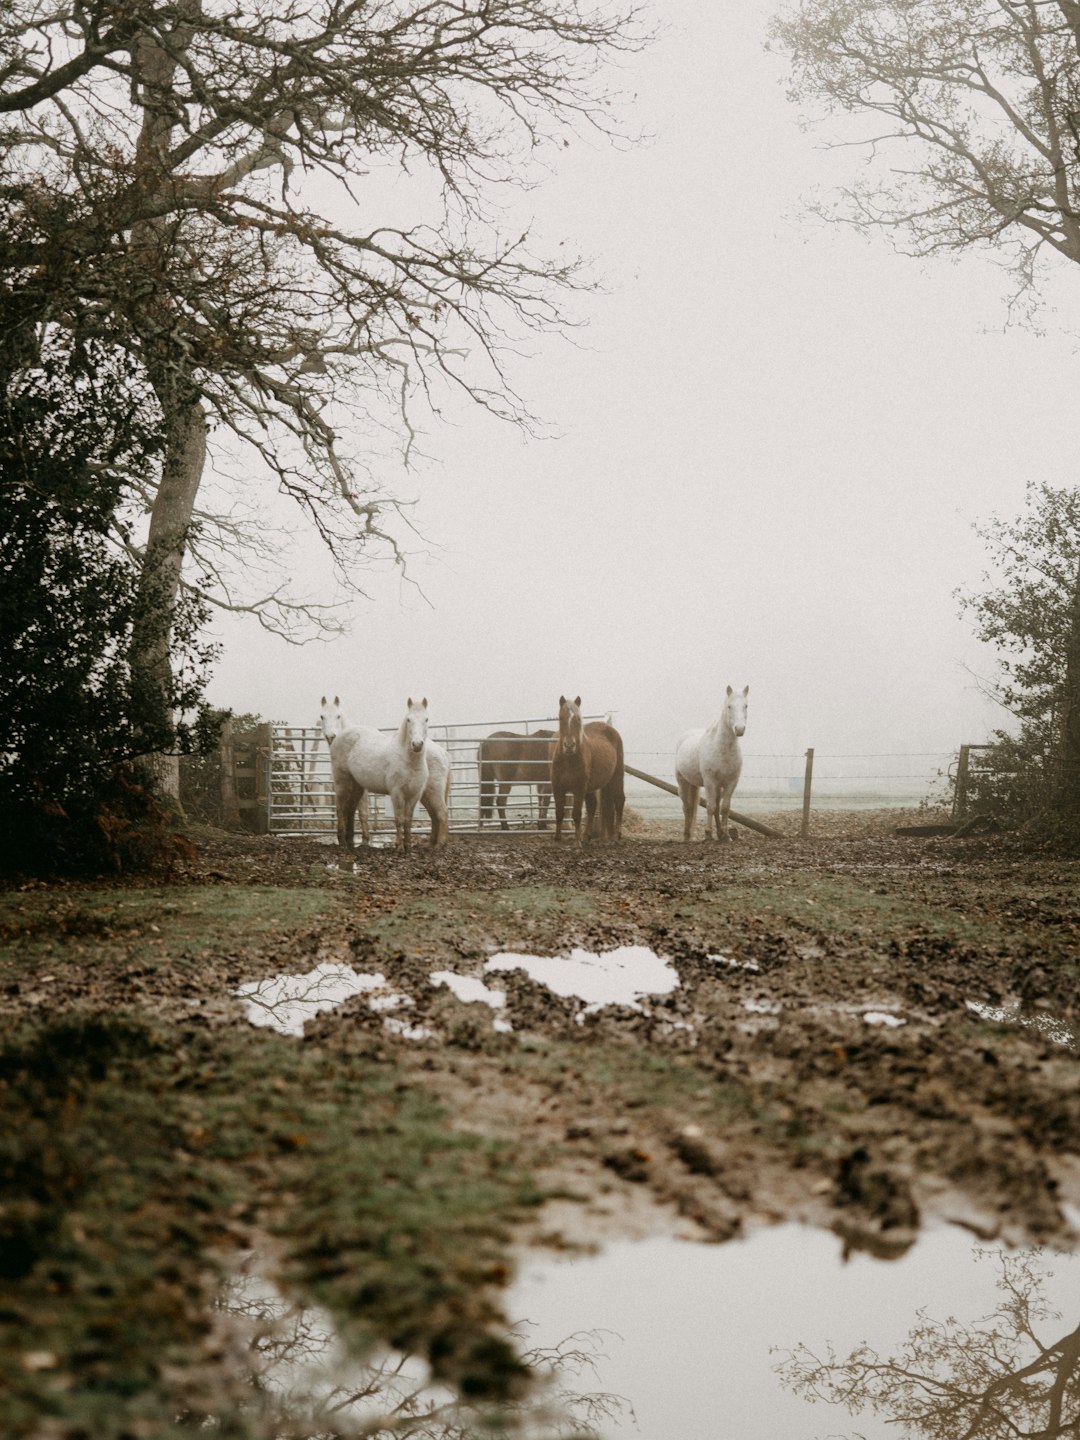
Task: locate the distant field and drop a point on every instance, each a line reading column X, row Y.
column 653, row 804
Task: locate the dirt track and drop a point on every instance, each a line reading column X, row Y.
column 756, row 1089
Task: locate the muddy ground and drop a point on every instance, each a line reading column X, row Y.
column 819, row 1060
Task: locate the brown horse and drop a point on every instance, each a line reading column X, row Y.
column 506, row 759
column 588, row 761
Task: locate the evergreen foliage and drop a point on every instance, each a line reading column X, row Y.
column 1031, row 613
column 76, row 434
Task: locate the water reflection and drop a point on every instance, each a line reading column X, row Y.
column 305, row 1386
column 663, row 1339
column 741, row 1340
column 1013, row 1372
column 287, row 1002
column 1051, row 1027
column 623, row 976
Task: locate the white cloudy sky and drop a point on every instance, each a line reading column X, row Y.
column 775, row 437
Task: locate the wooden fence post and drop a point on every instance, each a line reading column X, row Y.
column 230, row 801
column 804, row 829
column 959, row 804
column 264, row 744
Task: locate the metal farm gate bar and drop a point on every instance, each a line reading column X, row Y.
column 301, row 789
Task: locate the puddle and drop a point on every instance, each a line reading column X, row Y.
column 407, row 1031
column 703, row 1340
column 304, row 1383
column 762, row 1007
column 286, row 1002
column 665, row 1339
column 469, row 990
column 732, row 962
column 611, row 977
column 1050, row 1026
column 303, row 1380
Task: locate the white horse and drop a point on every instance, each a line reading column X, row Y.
column 342, row 738
column 712, row 758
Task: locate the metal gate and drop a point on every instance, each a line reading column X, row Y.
column 301, row 787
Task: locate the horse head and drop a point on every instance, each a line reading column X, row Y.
column 416, row 724
column 735, row 709
column 332, row 719
column 569, row 725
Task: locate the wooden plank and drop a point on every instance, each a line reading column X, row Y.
column 673, row 790
column 808, row 779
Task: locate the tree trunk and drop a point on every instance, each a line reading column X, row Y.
column 1069, row 760
column 170, row 521
column 155, row 65
column 230, row 801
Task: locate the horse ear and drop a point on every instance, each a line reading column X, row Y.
column 423, row 703
column 746, row 689
column 730, row 691
column 562, row 699
column 323, row 700
column 336, row 700
column 577, row 701
column 408, row 703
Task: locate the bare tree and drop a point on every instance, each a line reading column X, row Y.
column 1003, row 1377
column 967, row 114
column 203, row 181
column 972, row 120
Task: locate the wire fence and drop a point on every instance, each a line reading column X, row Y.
column 300, row 799
column 841, row 780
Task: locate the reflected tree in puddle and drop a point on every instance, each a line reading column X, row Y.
column 1014, row 1373
column 287, row 1002
column 305, row 1387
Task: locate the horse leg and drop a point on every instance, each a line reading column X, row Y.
column 345, row 804
column 361, row 804
column 504, row 791
column 726, row 792
column 560, row 811
column 439, row 810
column 614, row 798
column 579, row 795
column 402, row 823
column 712, row 809
column 688, row 794
column 612, row 812
column 543, row 804
column 591, row 797
column 487, row 794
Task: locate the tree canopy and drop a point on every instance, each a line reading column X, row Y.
column 208, row 182
column 1014, row 1373
column 972, row 111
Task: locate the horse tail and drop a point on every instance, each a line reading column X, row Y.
column 487, row 784
column 613, row 797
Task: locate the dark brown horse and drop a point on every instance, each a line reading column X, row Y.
column 506, row 759
column 588, row 762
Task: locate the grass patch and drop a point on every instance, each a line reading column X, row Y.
column 672, row 1088
column 533, row 915
column 102, row 926
column 130, row 1146
column 842, row 907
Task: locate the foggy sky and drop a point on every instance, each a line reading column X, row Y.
column 774, row 439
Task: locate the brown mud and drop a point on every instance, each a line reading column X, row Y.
column 754, row 1091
